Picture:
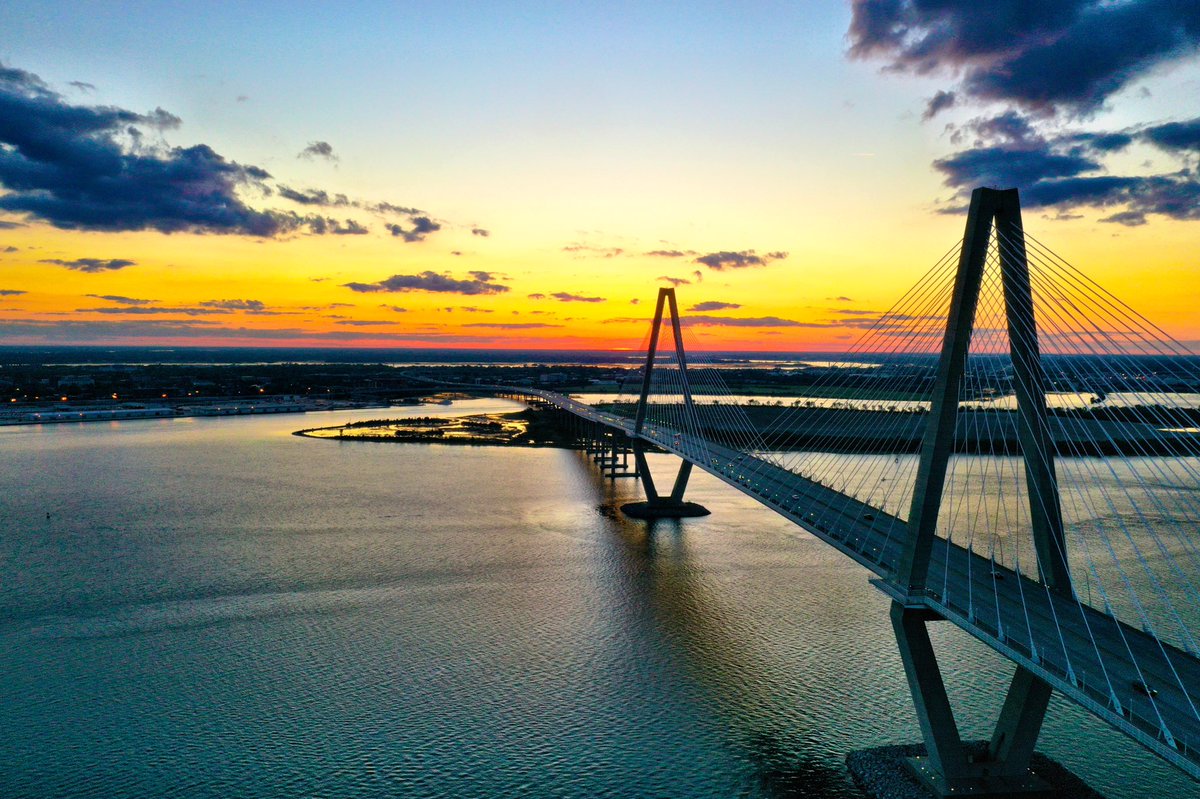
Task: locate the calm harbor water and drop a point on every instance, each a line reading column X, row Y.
column 216, row 608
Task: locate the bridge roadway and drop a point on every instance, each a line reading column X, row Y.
column 1086, row 654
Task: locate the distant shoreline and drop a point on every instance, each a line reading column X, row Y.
column 524, row 429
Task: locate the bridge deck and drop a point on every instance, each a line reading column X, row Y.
column 1119, row 673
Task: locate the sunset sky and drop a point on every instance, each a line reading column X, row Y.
column 527, row 174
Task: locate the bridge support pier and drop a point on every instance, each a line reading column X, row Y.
column 657, row 506
column 952, row 768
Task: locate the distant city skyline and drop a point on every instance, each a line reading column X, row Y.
column 526, row 175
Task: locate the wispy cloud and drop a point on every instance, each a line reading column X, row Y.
column 714, row 305
column 91, row 265
column 588, row 250
column 318, row 149
column 478, row 283
column 700, row 320
column 422, row 226
column 512, row 325
column 235, row 305
column 117, row 298
column 564, row 296
column 728, row 259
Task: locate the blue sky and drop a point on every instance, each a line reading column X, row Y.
column 583, row 136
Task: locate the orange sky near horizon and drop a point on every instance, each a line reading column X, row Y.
column 505, row 187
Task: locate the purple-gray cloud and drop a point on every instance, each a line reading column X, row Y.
column 432, row 281
column 1071, row 54
column 91, row 265
column 563, row 296
column 235, row 305
column 1052, row 61
column 318, row 149
column 726, row 259
column 88, row 168
column 512, row 325
column 422, row 226
column 714, row 305
column 117, row 298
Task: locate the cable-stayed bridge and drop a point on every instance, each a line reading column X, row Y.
column 1011, row 449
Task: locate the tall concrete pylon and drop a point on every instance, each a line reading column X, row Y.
column 673, row 505
column 949, row 769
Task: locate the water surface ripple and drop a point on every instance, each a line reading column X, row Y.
column 215, row 608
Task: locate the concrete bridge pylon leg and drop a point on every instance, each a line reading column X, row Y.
column 950, row 767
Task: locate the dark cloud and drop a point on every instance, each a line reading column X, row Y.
column 83, row 86
column 144, row 310
column 1065, row 172
column 671, row 253
column 841, row 299
column 854, row 312
column 350, row 228
column 1053, row 61
column 422, row 226
column 318, row 149
column 1072, row 54
column 88, row 168
column 389, row 208
column 431, row 281
column 563, row 296
column 119, row 299
column 9, row 225
column 1011, row 166
column 91, row 265
column 478, row 231
column 938, row 103
column 322, row 225
column 674, row 281
column 395, row 308
column 700, row 320
column 726, row 259
column 11, row 292
column 537, row 296
column 1175, row 136
column 312, row 197
column 235, row 305
column 11, row 248
column 713, row 305
column 361, row 323
column 512, row 325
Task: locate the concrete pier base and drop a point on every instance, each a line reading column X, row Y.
column 663, row 509
column 887, row 772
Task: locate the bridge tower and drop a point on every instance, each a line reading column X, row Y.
column 657, row 506
column 950, row 768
